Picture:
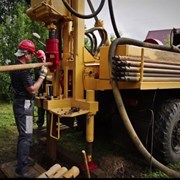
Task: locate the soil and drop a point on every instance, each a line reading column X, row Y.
column 119, row 167
column 109, row 166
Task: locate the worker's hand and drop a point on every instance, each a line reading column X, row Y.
column 43, row 72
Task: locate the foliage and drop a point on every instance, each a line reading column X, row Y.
column 7, row 8
column 112, row 37
column 16, row 27
column 87, row 43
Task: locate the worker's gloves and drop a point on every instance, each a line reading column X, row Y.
column 43, row 72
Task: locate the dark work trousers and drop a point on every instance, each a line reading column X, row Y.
column 41, row 114
column 23, row 113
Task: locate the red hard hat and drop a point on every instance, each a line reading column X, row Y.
column 40, row 54
column 27, row 45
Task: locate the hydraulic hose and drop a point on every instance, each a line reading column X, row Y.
column 84, row 16
column 92, row 10
column 113, row 19
column 93, row 42
column 104, row 37
column 122, row 110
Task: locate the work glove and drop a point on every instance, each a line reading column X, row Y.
column 43, row 72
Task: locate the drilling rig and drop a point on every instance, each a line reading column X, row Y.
column 121, row 84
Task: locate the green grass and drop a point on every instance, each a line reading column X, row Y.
column 70, row 139
column 159, row 174
column 6, row 115
column 8, row 133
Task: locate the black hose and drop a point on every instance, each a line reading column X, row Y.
column 92, row 10
column 121, row 107
column 94, row 42
column 113, row 19
column 84, row 16
column 91, row 42
column 103, row 35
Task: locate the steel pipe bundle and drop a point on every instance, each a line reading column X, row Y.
column 130, row 69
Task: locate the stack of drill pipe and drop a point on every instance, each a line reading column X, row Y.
column 72, row 173
column 50, row 173
column 56, row 171
column 128, row 69
column 60, row 172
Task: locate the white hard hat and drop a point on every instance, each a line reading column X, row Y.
column 20, row 52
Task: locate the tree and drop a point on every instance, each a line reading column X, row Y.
column 7, row 8
column 113, row 37
column 16, row 27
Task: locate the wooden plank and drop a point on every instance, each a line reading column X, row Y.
column 9, row 168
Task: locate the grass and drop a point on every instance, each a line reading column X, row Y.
column 71, row 139
column 8, row 132
column 6, row 115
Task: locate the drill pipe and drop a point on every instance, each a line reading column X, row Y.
column 23, row 66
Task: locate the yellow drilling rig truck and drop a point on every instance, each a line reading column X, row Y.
column 123, row 84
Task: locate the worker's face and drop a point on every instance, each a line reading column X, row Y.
column 28, row 57
column 42, row 59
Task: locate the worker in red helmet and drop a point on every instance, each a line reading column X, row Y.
column 24, row 89
column 41, row 57
column 40, row 54
column 24, row 47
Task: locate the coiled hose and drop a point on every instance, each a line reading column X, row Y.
column 121, row 107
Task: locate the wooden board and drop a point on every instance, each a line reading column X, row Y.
column 9, row 168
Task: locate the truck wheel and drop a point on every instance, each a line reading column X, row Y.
column 167, row 132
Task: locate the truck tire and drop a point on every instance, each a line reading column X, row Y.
column 167, row 132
